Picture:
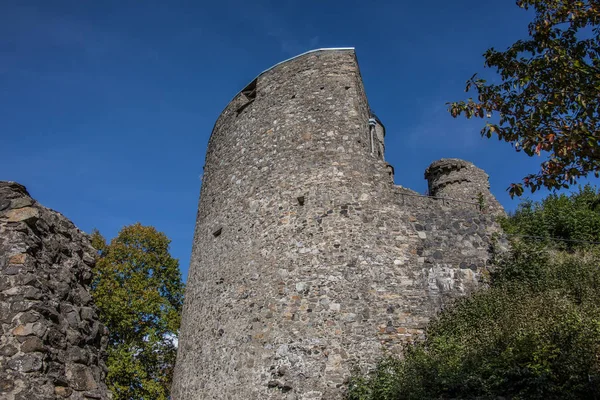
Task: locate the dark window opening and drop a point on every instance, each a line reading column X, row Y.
column 217, row 232
column 250, row 90
column 301, row 200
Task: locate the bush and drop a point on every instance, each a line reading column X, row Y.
column 529, row 341
column 573, row 218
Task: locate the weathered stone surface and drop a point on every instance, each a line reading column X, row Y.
column 80, row 377
column 62, row 391
column 17, row 259
column 32, row 344
column 307, row 259
column 46, row 350
column 28, row 214
column 25, row 363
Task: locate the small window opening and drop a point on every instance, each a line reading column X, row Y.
column 250, row 90
column 301, row 200
column 217, row 232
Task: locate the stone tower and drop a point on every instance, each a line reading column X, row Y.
column 461, row 180
column 307, row 259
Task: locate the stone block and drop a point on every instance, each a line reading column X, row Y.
column 27, row 214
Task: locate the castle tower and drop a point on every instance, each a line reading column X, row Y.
column 461, row 180
column 307, row 260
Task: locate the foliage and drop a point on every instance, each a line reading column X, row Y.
column 520, row 341
column 547, row 100
column 533, row 334
column 138, row 289
column 573, row 218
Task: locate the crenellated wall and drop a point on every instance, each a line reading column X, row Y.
column 52, row 343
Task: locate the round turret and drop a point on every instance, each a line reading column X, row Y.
column 461, row 180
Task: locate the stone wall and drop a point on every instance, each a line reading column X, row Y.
column 307, row 260
column 52, row 343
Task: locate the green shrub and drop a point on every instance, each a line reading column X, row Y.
column 574, row 218
column 524, row 341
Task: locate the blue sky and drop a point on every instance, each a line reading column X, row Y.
column 106, row 107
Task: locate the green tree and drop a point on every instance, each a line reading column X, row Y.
column 533, row 334
column 574, row 219
column 547, row 100
column 138, row 290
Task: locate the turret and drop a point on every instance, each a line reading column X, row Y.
column 462, row 181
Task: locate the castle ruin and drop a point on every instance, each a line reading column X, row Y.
column 307, row 260
column 52, row 343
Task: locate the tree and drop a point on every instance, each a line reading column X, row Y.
column 138, row 290
column 548, row 99
column 573, row 219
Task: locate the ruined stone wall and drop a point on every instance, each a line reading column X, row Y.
column 52, row 343
column 307, row 260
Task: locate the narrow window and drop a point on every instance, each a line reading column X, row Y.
column 250, row 91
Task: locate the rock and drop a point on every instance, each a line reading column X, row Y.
column 32, row 344
column 21, row 202
column 17, row 259
column 27, row 214
column 8, row 350
column 80, row 377
column 26, row 363
column 23, row 330
column 62, row 391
